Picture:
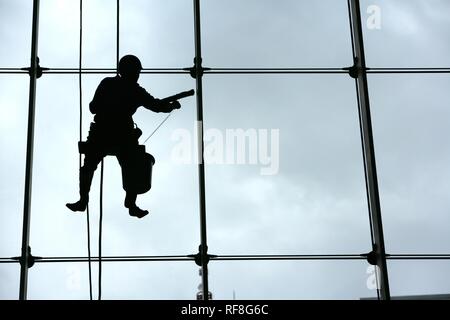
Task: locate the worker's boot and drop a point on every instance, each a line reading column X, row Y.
column 133, row 209
column 85, row 186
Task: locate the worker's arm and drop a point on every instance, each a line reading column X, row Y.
column 98, row 100
column 157, row 105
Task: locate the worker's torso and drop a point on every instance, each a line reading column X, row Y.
column 116, row 104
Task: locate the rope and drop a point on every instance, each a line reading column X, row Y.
column 100, row 230
column 151, row 134
column 100, row 227
column 80, row 138
column 117, row 34
column 351, row 27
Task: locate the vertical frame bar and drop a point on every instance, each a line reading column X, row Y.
column 25, row 256
column 368, row 148
column 201, row 167
column 117, row 34
column 80, row 88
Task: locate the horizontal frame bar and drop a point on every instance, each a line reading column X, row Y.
column 232, row 258
column 233, row 71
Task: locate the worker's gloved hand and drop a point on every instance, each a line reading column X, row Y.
column 175, row 105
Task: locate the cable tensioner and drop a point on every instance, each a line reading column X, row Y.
column 39, row 69
column 198, row 258
column 31, row 259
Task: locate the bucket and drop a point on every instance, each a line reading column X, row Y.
column 137, row 176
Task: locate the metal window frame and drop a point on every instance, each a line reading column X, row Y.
column 358, row 71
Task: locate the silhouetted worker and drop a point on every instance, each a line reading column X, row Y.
column 115, row 101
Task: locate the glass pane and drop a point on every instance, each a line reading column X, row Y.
column 171, row 227
column 120, row 280
column 272, row 34
column 59, row 33
column 160, row 33
column 285, row 171
column 55, row 231
column 151, row 281
column 99, row 34
column 13, row 135
column 9, row 284
column 15, row 34
column 406, row 33
column 61, row 281
column 419, row 279
column 411, row 123
column 290, row 280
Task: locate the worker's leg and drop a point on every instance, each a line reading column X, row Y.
column 130, row 199
column 133, row 209
column 91, row 162
column 126, row 163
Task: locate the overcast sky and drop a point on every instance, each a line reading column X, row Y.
column 315, row 204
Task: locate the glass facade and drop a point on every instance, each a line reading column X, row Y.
column 269, row 184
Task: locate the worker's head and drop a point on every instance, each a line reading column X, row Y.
column 130, row 67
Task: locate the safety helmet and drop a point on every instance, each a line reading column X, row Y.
column 129, row 64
